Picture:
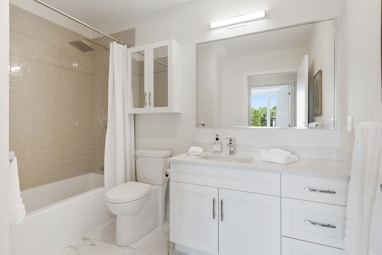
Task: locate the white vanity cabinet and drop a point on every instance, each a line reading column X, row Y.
column 154, row 82
column 313, row 215
column 237, row 208
column 223, row 212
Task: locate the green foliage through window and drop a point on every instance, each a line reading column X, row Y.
column 259, row 117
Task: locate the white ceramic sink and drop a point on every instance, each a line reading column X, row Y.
column 228, row 158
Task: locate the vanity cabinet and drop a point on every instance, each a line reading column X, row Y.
column 235, row 208
column 313, row 215
column 217, row 215
column 153, row 82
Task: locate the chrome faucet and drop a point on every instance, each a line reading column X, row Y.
column 231, row 146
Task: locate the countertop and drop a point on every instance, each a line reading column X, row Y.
column 313, row 167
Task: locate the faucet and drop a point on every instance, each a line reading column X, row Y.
column 231, row 146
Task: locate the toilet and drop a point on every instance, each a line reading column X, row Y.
column 139, row 206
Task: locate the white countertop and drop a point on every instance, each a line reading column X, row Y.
column 314, row 167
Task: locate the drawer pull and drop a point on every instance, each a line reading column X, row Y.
column 213, row 209
column 221, row 210
column 320, row 190
column 319, row 224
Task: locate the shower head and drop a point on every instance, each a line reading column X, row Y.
column 81, row 45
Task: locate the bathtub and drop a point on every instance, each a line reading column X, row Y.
column 58, row 214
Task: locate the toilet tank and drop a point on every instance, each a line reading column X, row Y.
column 151, row 165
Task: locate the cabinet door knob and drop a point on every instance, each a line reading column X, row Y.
column 319, row 224
column 320, row 190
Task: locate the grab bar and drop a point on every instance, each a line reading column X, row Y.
column 12, row 155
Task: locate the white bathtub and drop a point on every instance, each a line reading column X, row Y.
column 58, row 214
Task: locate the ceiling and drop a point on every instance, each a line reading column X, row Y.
column 104, row 15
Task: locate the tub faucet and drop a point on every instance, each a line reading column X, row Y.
column 231, row 146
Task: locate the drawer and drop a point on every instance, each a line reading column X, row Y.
column 313, row 222
column 297, row 247
column 319, row 189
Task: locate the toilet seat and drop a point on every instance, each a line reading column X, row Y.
column 128, row 192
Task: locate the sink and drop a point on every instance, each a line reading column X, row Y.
column 228, row 158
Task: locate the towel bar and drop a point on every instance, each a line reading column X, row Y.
column 11, row 155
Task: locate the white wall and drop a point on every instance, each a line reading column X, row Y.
column 360, row 66
column 188, row 24
column 4, row 126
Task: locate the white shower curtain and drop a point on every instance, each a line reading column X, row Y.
column 119, row 144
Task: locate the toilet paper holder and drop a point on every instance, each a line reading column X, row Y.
column 167, row 174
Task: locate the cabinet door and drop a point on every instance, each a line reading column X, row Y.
column 194, row 216
column 159, row 94
column 138, row 82
column 249, row 223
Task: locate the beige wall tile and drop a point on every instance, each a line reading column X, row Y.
column 58, row 100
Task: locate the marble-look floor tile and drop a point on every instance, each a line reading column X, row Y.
column 101, row 242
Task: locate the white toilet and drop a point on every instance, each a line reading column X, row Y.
column 140, row 206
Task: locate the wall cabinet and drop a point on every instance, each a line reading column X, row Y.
column 154, row 78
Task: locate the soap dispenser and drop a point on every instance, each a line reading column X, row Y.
column 217, row 145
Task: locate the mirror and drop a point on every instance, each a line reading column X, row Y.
column 281, row 78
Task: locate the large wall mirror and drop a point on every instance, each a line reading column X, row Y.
column 281, row 78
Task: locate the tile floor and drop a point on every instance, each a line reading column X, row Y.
column 101, row 242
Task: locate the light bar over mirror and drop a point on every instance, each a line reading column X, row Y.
column 238, row 19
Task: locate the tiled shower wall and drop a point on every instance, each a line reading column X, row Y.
column 58, row 101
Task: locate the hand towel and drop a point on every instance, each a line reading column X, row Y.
column 278, row 156
column 195, row 151
column 16, row 205
column 363, row 187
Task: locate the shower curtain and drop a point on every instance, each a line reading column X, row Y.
column 119, row 144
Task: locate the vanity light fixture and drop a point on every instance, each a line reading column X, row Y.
column 238, row 19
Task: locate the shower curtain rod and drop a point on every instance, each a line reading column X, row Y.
column 82, row 23
column 90, row 27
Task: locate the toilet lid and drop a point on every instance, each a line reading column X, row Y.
column 128, row 192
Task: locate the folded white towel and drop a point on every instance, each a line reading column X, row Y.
column 278, row 156
column 195, row 151
column 16, row 206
